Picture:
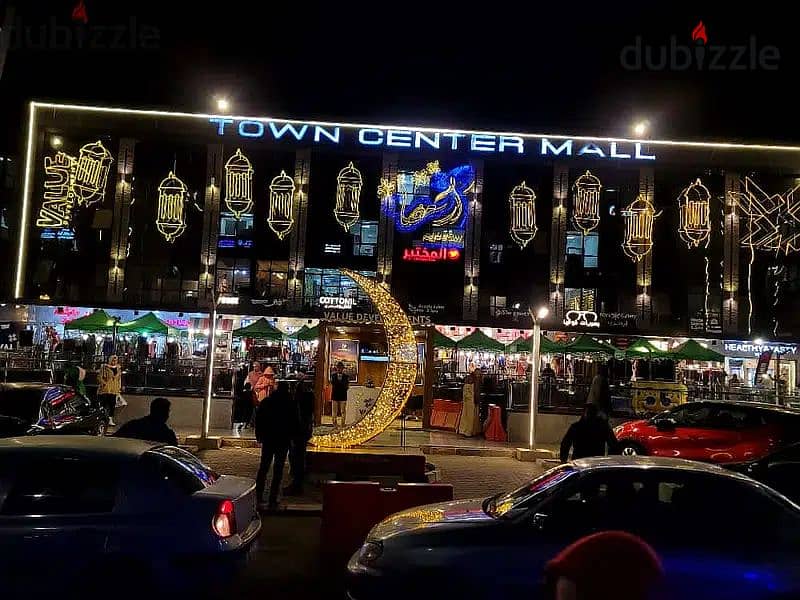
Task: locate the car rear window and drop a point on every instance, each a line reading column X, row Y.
column 183, row 469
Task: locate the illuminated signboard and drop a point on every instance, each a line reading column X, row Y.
column 337, row 302
column 757, row 349
column 581, row 318
column 422, row 254
column 427, row 139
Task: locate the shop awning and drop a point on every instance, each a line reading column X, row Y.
column 546, row 345
column 260, row 330
column 692, row 350
column 642, row 348
column 477, row 340
column 145, row 324
column 442, row 341
column 296, row 334
column 99, row 320
column 309, row 335
column 586, row 344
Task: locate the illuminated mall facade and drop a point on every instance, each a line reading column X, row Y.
column 153, row 210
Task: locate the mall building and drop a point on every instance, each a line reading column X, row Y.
column 142, row 210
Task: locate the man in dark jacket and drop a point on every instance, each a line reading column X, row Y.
column 589, row 436
column 153, row 427
column 276, row 422
column 304, row 407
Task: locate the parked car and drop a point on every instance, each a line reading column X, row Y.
column 40, row 408
column 780, row 470
column 84, row 516
column 712, row 431
column 719, row 534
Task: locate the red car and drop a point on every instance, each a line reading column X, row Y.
column 710, row 431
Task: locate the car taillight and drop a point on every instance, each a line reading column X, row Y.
column 224, row 523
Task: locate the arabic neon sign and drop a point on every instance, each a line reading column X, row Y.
column 425, row 255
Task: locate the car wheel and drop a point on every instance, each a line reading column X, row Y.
column 628, row 448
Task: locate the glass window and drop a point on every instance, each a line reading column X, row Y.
column 692, row 415
column 580, row 298
column 62, row 486
column 495, row 303
column 330, row 282
column 365, row 238
column 230, row 226
column 587, row 245
column 531, row 491
column 271, row 278
column 496, row 253
column 180, row 468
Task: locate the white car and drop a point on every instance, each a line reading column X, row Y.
column 112, row 516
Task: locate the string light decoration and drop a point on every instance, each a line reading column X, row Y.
column 239, row 184
column 586, row 202
column 386, row 188
column 281, row 205
column 694, row 210
column 522, row 206
column 71, row 181
column 444, row 204
column 348, row 195
column 639, row 217
column 172, row 197
column 401, row 370
column 773, row 219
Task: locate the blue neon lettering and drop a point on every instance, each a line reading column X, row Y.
column 548, row 148
column 615, row 154
column 398, row 137
column 591, row 149
column 362, row 137
column 258, row 132
column 638, row 154
column 221, row 122
column 513, row 141
column 321, row 131
column 278, row 134
column 432, row 142
column 482, row 143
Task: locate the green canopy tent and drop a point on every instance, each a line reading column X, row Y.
column 260, row 330
column 692, row 350
column 147, row 324
column 98, row 321
column 585, row 344
column 546, row 345
column 309, row 335
column 442, row 341
column 297, row 333
column 477, row 340
column 642, row 348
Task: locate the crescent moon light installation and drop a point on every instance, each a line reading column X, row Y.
column 401, row 370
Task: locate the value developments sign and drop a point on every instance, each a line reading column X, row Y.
column 428, row 139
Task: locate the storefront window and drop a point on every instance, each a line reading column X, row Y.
column 580, row 298
column 365, row 238
column 271, row 278
column 232, row 274
column 496, row 302
column 331, row 283
column 585, row 246
column 235, row 233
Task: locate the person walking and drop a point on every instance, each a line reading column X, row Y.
column 109, row 386
column 275, row 424
column 600, row 393
column 340, row 383
column 152, row 427
column 589, row 436
column 304, row 407
column 242, row 402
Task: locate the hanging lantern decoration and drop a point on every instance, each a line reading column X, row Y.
column 694, row 207
column 172, row 197
column 239, row 184
column 639, row 218
column 91, row 173
column 586, row 202
column 281, row 204
column 348, row 194
column 522, row 205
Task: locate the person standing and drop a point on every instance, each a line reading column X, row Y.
column 265, row 385
column 73, row 377
column 340, row 383
column 153, row 427
column 600, row 393
column 589, row 436
column 304, row 407
column 275, row 423
column 109, row 386
column 242, row 401
column 469, row 423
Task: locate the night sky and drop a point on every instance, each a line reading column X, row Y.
column 540, row 69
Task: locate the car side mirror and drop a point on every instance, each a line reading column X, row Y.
column 665, row 424
column 539, row 521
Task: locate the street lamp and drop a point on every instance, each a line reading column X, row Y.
column 223, row 104
column 538, row 316
column 640, row 128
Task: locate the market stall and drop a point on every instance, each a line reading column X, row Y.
column 264, row 343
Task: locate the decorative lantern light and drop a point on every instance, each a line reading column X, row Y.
column 172, row 197
column 639, row 217
column 348, row 194
column 694, row 208
column 239, row 184
column 586, row 202
column 91, row 173
column 281, row 204
column 522, row 205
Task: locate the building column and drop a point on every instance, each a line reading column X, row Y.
column 297, row 237
column 730, row 261
column 386, row 221
column 472, row 246
column 558, row 239
column 123, row 193
column 208, row 253
column 644, row 268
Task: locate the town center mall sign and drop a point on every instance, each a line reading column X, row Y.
column 428, row 139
